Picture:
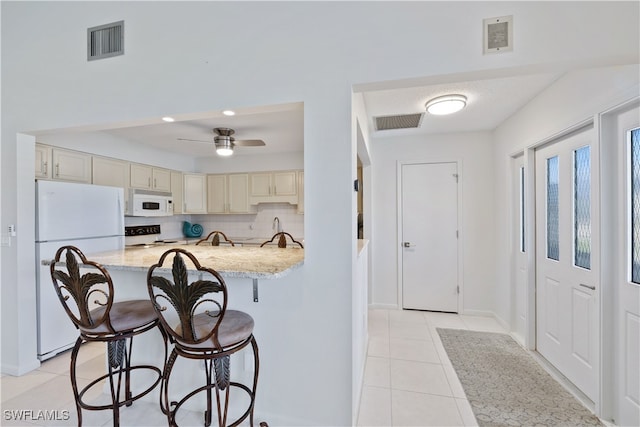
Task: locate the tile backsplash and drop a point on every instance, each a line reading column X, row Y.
column 245, row 225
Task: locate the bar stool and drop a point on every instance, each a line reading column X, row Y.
column 195, row 317
column 88, row 300
column 213, row 239
column 282, row 240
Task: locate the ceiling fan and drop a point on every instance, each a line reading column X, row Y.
column 225, row 142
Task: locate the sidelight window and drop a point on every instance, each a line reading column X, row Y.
column 582, row 207
column 522, row 231
column 553, row 236
column 635, row 204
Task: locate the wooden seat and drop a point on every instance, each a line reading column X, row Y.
column 282, row 240
column 214, row 239
column 205, row 331
column 88, row 300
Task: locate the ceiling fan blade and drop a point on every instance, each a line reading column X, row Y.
column 195, row 140
column 249, row 143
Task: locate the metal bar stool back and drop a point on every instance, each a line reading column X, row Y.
column 282, row 240
column 86, row 292
column 213, row 239
column 196, row 319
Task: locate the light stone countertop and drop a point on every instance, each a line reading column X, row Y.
column 230, row 262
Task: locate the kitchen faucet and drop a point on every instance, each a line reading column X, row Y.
column 276, row 225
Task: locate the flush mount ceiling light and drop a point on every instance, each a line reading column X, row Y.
column 168, row 119
column 229, row 113
column 447, row 104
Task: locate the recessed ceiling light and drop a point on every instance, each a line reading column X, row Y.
column 168, row 119
column 446, row 104
column 229, row 113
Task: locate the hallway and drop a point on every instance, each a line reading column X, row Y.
column 408, row 377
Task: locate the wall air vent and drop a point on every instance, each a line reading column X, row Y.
column 404, row 121
column 105, row 41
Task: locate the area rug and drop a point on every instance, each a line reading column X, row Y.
column 506, row 386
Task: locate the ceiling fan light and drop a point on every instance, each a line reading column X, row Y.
column 224, row 151
column 447, row 104
column 224, row 146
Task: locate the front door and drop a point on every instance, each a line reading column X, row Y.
column 567, row 259
column 627, row 322
column 429, row 239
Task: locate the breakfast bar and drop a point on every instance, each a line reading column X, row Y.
column 247, row 262
column 281, row 267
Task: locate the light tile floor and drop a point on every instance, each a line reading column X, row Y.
column 408, row 381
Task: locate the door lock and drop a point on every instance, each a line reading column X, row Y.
column 407, row 245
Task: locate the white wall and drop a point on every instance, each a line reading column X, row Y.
column 184, row 57
column 476, row 184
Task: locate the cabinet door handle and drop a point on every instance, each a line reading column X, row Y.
column 44, row 168
column 593, row 288
column 155, row 183
column 57, row 170
column 149, row 182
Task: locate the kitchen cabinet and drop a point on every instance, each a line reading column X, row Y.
column 217, row 193
column 228, row 194
column 176, row 192
column 111, row 172
column 273, row 187
column 150, row 178
column 61, row 164
column 43, row 161
column 300, row 192
column 194, row 193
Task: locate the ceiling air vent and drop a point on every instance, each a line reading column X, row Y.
column 404, row 121
column 105, row 41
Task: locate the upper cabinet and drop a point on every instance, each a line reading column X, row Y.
column 43, row 161
column 273, row 187
column 111, row 172
column 150, row 178
column 65, row 165
column 194, row 193
column 228, row 194
column 176, row 192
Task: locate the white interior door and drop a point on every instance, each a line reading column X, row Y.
column 627, row 322
column 519, row 257
column 567, row 259
column 429, row 236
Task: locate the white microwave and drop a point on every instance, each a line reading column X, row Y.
column 149, row 203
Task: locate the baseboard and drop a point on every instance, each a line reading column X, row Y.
column 488, row 313
column 480, row 313
column 383, row 306
column 19, row 370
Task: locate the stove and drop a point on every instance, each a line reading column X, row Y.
column 142, row 230
column 141, row 235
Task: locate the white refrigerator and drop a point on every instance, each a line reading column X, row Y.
column 90, row 217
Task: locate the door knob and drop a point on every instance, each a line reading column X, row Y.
column 407, row 245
